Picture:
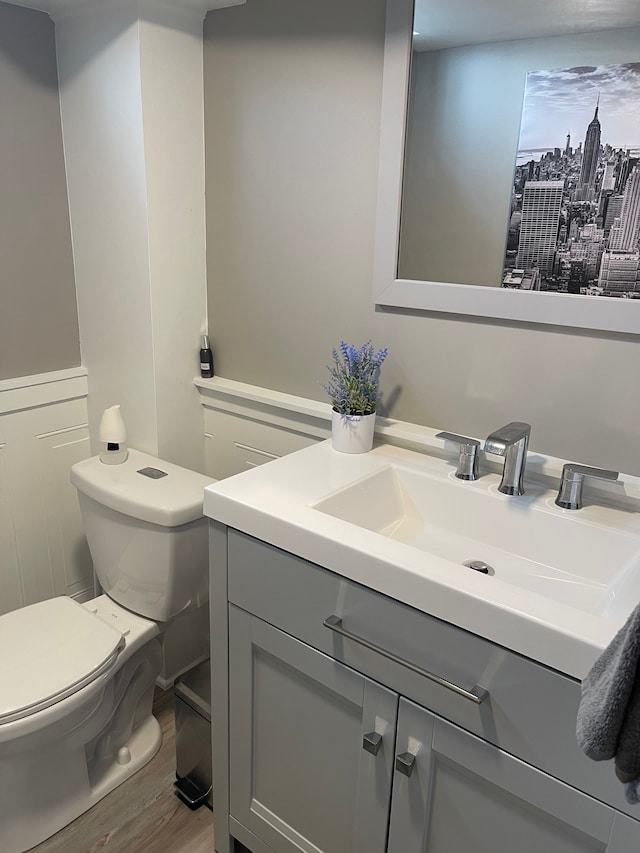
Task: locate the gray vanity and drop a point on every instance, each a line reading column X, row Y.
column 362, row 711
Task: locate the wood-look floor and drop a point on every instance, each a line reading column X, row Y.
column 143, row 815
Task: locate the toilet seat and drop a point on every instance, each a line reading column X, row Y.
column 50, row 650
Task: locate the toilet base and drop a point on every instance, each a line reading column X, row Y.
column 140, row 749
column 50, row 776
column 43, row 823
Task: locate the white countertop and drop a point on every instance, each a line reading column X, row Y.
column 273, row 503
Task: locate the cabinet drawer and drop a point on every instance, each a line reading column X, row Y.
column 529, row 711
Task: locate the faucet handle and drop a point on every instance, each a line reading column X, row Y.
column 468, row 458
column 573, row 475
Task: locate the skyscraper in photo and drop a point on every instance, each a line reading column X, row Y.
column 614, row 208
column 625, row 164
column 620, row 272
column 541, row 208
column 590, row 155
column 626, row 230
column 609, row 178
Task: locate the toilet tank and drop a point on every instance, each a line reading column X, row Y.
column 146, row 532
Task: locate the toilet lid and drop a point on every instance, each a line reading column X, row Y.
column 50, row 650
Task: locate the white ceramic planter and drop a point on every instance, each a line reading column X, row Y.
column 352, row 433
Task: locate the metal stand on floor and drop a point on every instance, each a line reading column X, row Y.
column 193, row 737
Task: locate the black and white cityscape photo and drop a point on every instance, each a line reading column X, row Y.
column 575, row 210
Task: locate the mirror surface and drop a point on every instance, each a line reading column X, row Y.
column 451, row 179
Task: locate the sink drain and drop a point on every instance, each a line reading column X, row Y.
column 479, row 566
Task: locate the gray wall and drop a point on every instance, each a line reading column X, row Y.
column 38, row 317
column 292, row 111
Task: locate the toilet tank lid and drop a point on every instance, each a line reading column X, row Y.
column 50, row 650
column 143, row 487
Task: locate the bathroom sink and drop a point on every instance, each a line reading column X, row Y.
column 525, row 541
column 559, row 583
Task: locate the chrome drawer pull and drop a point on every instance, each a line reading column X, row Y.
column 405, row 763
column 372, row 742
column 477, row 694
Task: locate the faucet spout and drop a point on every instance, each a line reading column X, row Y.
column 511, row 442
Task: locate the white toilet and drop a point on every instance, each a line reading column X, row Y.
column 77, row 680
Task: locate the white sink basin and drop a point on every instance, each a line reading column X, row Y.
column 399, row 522
column 526, row 541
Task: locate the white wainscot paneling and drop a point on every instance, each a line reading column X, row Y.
column 10, row 587
column 246, row 426
column 43, row 431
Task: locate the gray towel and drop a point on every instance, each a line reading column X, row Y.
column 608, row 723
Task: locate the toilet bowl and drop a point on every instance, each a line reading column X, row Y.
column 78, row 679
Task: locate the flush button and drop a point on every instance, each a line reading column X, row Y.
column 153, row 473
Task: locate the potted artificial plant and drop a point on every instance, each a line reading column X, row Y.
column 353, row 389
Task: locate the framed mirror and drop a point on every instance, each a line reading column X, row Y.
column 455, row 183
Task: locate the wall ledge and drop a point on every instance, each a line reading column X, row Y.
column 275, row 407
column 219, row 388
column 42, row 389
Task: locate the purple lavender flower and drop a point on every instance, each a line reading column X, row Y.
column 354, row 378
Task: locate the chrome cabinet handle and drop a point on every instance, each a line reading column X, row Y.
column 372, row 742
column 405, row 763
column 477, row 694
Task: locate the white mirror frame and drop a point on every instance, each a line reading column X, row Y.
column 586, row 312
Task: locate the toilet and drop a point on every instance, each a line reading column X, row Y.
column 78, row 679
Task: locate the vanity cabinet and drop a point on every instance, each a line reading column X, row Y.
column 329, row 743
column 462, row 794
column 300, row 778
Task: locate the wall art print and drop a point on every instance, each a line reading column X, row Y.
column 574, row 224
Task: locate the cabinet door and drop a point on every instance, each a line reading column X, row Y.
column 307, row 771
column 463, row 794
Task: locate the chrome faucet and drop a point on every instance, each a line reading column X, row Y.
column 510, row 441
